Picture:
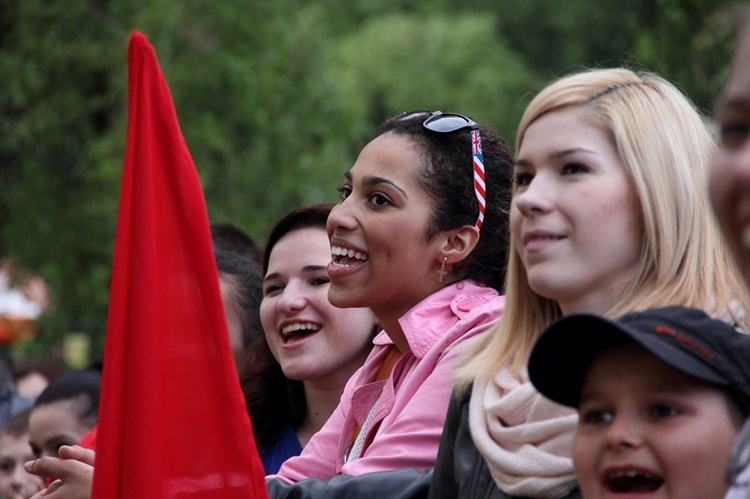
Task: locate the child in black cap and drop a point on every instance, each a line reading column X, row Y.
column 661, row 395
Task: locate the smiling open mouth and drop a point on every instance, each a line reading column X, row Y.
column 343, row 257
column 633, row 482
column 298, row 331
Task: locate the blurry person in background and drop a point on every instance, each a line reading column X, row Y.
column 730, row 195
column 229, row 237
column 241, row 286
column 15, row 482
column 33, row 376
column 730, row 174
column 65, row 411
column 11, row 402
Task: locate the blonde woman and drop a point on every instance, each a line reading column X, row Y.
column 610, row 214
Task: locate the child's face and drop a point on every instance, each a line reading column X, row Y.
column 55, row 424
column 14, row 480
column 647, row 430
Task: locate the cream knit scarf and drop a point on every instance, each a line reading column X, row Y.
column 525, row 438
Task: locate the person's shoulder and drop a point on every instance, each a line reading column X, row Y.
column 286, row 446
column 471, row 295
column 475, row 303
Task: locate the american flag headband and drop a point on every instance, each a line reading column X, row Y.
column 451, row 122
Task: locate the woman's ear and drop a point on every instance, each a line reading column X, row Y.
column 459, row 243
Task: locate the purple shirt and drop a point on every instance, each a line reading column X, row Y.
column 411, row 411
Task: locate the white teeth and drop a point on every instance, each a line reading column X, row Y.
column 628, row 474
column 339, row 251
column 299, row 326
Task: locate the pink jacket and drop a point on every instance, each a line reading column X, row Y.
column 411, row 412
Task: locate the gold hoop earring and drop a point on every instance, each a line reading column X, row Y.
column 442, row 273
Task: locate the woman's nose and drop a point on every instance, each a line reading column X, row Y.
column 292, row 299
column 341, row 216
column 536, row 197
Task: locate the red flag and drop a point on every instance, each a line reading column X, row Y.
column 172, row 422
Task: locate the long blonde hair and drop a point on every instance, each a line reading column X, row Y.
column 666, row 147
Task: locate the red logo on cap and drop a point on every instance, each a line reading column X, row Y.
column 684, row 339
column 665, row 330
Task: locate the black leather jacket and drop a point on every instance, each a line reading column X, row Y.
column 406, row 483
column 461, row 471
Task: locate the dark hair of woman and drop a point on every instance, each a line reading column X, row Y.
column 246, row 282
column 228, row 237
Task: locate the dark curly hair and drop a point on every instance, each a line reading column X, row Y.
column 447, row 177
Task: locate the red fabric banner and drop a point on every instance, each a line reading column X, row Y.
column 172, row 421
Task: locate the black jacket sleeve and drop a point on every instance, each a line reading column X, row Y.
column 396, row 484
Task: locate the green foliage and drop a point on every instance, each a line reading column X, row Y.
column 58, row 182
column 255, row 107
column 555, row 38
column 402, row 62
column 682, row 41
column 712, row 47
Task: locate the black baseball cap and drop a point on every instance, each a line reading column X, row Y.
column 686, row 339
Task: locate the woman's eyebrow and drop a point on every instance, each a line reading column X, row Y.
column 372, row 181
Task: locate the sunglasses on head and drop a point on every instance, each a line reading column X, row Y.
column 441, row 122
